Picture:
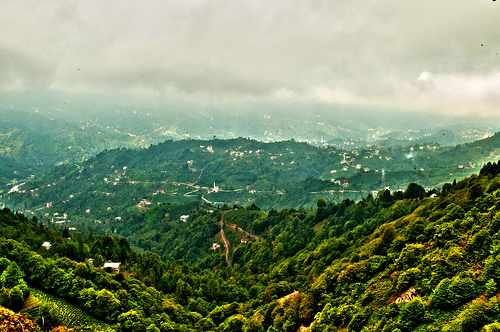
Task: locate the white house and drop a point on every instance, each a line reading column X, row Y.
column 46, row 245
column 115, row 267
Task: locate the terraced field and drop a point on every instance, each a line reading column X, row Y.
column 69, row 314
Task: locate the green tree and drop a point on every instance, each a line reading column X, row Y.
column 4, row 296
column 385, row 197
column 234, row 324
column 4, row 263
column 412, row 314
column 321, row 202
column 16, row 299
column 98, row 261
column 152, row 328
column 47, row 318
column 106, row 305
column 65, row 233
column 254, row 324
column 414, row 190
column 11, row 276
column 131, row 321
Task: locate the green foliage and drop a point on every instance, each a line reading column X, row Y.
column 479, row 245
column 234, row 323
column 493, row 327
column 408, row 278
column 414, row 190
column 16, row 298
column 57, row 311
column 412, row 314
column 471, row 319
column 358, row 320
column 11, row 276
column 106, row 305
column 321, row 203
column 410, row 256
column 492, row 268
column 48, row 318
column 131, row 321
column 345, row 270
column 454, row 292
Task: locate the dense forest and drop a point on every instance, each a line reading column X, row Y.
column 396, row 261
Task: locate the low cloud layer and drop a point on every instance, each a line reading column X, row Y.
column 406, row 54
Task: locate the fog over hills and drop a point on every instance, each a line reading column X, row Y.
column 237, row 166
column 383, row 63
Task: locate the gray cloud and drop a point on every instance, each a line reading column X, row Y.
column 373, row 52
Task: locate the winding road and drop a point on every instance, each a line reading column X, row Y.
column 226, row 242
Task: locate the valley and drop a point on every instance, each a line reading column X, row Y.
column 249, row 166
column 243, row 235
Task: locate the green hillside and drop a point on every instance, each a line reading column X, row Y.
column 276, row 175
column 31, row 143
column 391, row 262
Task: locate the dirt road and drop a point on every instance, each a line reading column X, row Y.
column 226, row 242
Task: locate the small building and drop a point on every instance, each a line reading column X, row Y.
column 90, row 260
column 143, row 203
column 215, row 245
column 115, row 267
column 215, row 189
column 184, row 218
column 244, row 240
column 46, row 245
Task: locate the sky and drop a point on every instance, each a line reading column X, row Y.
column 426, row 55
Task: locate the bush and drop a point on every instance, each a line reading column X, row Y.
column 412, row 314
column 358, row 321
column 410, row 256
column 16, row 299
column 407, row 279
column 479, row 246
column 494, row 327
column 453, row 292
column 471, row 319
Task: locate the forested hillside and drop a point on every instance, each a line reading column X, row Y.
column 240, row 171
column 391, row 262
column 31, row 143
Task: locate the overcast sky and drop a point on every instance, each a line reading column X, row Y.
column 415, row 54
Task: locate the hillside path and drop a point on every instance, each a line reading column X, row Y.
column 226, row 242
column 236, row 228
